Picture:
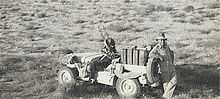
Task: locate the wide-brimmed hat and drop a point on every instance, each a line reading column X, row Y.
column 161, row 37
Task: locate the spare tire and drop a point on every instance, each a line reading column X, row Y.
column 153, row 67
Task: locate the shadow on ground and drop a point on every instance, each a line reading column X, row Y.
column 198, row 80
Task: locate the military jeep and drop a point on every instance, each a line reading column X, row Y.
column 128, row 74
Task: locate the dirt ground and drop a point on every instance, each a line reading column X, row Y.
column 35, row 33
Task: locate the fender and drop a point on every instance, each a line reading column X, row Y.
column 133, row 72
column 128, row 75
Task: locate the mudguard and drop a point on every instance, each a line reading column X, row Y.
column 119, row 68
column 128, row 75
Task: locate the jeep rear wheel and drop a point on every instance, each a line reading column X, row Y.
column 66, row 78
column 128, row 87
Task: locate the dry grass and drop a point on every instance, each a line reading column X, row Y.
column 34, row 33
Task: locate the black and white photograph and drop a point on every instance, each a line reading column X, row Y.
column 109, row 49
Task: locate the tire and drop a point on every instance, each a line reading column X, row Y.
column 152, row 70
column 66, row 78
column 128, row 88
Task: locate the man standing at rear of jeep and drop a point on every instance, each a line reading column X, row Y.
column 167, row 69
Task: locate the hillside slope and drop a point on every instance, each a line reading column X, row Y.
column 34, row 33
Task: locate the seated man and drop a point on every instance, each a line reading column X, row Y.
column 99, row 63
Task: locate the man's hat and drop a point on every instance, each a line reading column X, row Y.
column 161, row 37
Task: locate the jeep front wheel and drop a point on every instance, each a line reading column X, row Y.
column 128, row 87
column 66, row 78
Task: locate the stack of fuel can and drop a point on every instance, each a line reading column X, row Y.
column 134, row 56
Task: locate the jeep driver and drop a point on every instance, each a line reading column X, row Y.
column 103, row 61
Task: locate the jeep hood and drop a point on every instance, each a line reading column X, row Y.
column 87, row 57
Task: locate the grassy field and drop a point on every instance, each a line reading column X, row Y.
column 35, row 33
